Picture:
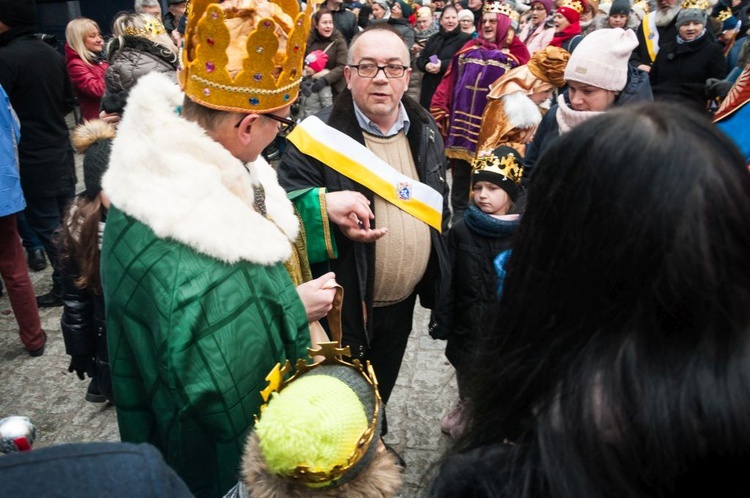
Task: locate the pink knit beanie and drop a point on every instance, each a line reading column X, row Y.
column 601, row 59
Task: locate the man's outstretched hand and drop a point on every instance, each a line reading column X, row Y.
column 351, row 212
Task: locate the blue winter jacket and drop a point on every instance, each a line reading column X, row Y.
column 11, row 196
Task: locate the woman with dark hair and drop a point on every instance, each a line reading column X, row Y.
column 619, row 363
column 434, row 60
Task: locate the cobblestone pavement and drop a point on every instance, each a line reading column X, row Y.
column 42, row 389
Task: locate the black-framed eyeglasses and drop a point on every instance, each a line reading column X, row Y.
column 286, row 123
column 369, row 70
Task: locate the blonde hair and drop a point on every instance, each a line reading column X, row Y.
column 146, row 26
column 75, row 35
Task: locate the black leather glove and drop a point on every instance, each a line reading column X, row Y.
column 82, row 365
column 319, row 84
column 717, row 88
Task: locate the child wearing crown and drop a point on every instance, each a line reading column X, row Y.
column 468, row 300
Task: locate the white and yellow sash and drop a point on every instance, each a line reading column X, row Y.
column 651, row 35
column 345, row 155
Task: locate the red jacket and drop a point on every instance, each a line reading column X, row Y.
column 88, row 82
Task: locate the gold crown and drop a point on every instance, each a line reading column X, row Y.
column 576, row 5
column 244, row 55
column 498, row 8
column 695, row 4
column 643, row 4
column 724, row 15
column 152, row 27
column 332, row 355
column 505, row 166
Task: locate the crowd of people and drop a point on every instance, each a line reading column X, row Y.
column 585, row 261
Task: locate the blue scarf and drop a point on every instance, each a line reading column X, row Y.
column 485, row 225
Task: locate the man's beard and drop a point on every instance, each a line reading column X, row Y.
column 664, row 17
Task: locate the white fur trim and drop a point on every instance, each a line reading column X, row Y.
column 522, row 112
column 167, row 173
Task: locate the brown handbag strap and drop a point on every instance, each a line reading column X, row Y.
column 334, row 316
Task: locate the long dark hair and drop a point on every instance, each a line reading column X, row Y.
column 619, row 363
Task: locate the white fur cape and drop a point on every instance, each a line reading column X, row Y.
column 167, row 173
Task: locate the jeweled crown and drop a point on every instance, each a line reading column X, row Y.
column 506, row 166
column 695, row 4
column 724, row 15
column 152, row 27
column 244, row 55
column 576, row 5
column 498, row 8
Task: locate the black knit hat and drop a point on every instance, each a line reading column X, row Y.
column 94, row 140
column 94, row 165
column 503, row 168
column 18, row 13
column 620, row 7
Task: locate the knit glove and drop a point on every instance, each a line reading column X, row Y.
column 319, row 84
column 82, row 365
column 306, row 87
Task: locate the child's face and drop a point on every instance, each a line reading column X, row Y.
column 490, row 198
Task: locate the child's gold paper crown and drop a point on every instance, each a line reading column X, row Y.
column 504, row 166
column 152, row 27
column 244, row 55
column 576, row 5
column 498, row 8
column 695, row 4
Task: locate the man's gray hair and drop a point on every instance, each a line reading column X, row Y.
column 139, row 4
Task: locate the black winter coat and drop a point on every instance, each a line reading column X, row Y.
column 640, row 53
column 469, row 300
column 355, row 264
column 36, row 80
column 681, row 70
column 84, row 327
column 444, row 44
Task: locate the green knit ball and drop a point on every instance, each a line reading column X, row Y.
column 314, row 422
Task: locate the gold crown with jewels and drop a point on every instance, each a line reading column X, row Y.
column 506, row 166
column 724, row 15
column 695, row 4
column 244, row 55
column 152, row 27
column 576, row 5
column 498, row 8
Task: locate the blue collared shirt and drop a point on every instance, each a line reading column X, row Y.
column 402, row 122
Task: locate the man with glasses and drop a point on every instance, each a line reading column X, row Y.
column 376, row 141
column 197, row 250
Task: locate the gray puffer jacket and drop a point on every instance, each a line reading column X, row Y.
column 130, row 59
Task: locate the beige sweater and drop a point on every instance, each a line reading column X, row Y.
column 401, row 256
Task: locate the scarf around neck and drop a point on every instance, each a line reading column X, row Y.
column 568, row 118
column 569, row 32
column 486, row 225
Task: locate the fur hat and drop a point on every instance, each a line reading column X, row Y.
column 620, row 7
column 94, row 139
column 503, row 168
column 18, row 13
column 601, row 59
column 688, row 15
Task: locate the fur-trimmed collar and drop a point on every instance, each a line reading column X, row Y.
column 522, row 112
column 167, row 173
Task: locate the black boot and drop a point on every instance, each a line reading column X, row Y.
column 36, row 260
column 49, row 300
